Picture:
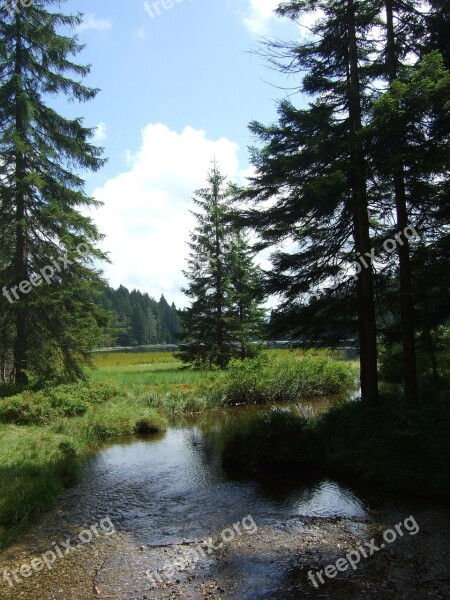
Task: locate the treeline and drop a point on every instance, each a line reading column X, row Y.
column 136, row 319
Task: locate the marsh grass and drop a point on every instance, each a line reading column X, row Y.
column 45, row 434
column 388, row 446
column 39, row 460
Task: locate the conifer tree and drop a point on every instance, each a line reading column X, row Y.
column 313, row 168
column 223, row 316
column 42, row 198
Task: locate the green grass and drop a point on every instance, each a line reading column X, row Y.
column 45, row 433
column 123, row 359
column 41, row 456
column 278, row 376
column 35, row 466
column 389, row 446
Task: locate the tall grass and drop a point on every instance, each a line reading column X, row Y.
column 389, row 446
column 285, row 378
column 41, row 452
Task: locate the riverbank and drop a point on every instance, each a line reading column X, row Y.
column 153, row 491
column 46, row 434
column 390, row 447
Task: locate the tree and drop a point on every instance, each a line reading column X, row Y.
column 247, row 295
column 313, row 169
column 416, row 104
column 396, row 49
column 42, row 226
column 223, row 316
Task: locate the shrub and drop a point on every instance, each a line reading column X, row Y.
column 283, row 379
column 43, row 406
column 274, row 439
column 145, row 427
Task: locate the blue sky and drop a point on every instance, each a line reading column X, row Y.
column 177, row 89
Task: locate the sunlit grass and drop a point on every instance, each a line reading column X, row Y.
column 122, row 359
column 38, row 461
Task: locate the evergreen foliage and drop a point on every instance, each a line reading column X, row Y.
column 136, row 319
column 224, row 319
column 50, row 328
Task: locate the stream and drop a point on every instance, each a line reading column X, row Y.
column 164, row 499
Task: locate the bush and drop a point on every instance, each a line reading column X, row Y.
column 145, row 427
column 283, row 379
column 400, row 449
column 391, row 363
column 43, row 406
column 259, row 442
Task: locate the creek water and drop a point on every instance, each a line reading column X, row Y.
column 168, row 490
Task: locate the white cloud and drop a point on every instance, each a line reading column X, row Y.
column 100, row 134
column 260, row 13
column 146, row 214
column 90, row 21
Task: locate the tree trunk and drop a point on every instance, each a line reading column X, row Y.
column 365, row 287
column 20, row 262
column 432, row 353
column 406, row 291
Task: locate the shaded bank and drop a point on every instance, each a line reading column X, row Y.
column 397, row 449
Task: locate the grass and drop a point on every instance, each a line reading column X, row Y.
column 43, row 442
column 389, row 446
column 123, row 359
column 46, row 433
column 278, row 376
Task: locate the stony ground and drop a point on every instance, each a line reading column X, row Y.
column 271, row 563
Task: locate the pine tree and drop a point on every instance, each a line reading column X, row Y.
column 411, row 157
column 247, row 294
column 313, row 168
column 42, row 198
column 223, row 317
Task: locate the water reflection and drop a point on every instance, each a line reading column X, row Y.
column 172, row 486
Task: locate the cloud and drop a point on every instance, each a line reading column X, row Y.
column 90, row 21
column 260, row 13
column 100, row 134
column 146, row 214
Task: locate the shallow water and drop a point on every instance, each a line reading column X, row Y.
column 170, row 489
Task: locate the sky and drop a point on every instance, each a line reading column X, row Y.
column 179, row 84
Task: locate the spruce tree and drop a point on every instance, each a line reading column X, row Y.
column 223, row 317
column 247, row 294
column 42, row 198
column 313, row 168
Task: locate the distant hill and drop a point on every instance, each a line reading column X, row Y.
column 137, row 319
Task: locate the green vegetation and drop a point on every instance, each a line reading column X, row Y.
column 46, row 434
column 395, row 448
column 276, row 376
column 49, row 322
column 136, row 319
column 285, row 378
column 224, row 285
column 433, row 361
